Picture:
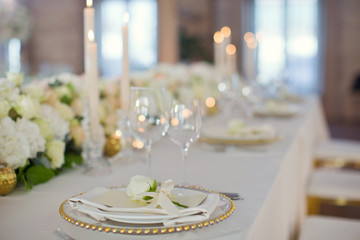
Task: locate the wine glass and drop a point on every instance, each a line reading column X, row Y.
column 185, row 125
column 148, row 118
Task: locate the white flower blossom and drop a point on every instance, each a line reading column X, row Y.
column 55, row 150
column 32, row 133
column 8, row 91
column 34, row 91
column 4, row 108
column 28, row 107
column 14, row 147
column 16, row 78
column 138, row 184
column 58, row 125
column 64, row 111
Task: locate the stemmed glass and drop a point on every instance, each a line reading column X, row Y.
column 185, row 125
column 148, row 118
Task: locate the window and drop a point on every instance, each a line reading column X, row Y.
column 289, row 46
column 142, row 35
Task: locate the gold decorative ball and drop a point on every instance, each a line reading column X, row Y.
column 7, row 180
column 112, row 146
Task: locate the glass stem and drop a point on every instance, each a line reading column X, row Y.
column 184, row 154
column 148, row 158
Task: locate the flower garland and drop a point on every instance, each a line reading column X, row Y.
column 36, row 137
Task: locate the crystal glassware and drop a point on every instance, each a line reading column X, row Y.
column 148, row 117
column 185, row 125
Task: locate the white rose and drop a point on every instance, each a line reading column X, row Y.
column 4, row 108
column 28, row 107
column 34, row 92
column 138, row 184
column 16, row 78
column 55, row 151
column 64, row 111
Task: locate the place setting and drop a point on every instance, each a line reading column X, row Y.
column 145, row 207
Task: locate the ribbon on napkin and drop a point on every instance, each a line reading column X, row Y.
column 162, row 198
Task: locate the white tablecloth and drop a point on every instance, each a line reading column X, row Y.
column 271, row 178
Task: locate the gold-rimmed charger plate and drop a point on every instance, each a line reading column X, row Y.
column 224, row 141
column 220, row 136
column 222, row 212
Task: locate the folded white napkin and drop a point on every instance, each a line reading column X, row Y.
column 114, row 204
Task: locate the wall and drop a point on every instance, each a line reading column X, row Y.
column 342, row 61
column 57, row 37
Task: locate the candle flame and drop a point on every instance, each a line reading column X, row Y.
column 91, row 36
column 218, row 37
column 89, row 3
column 231, row 49
column 126, row 17
column 249, row 37
column 225, row 31
column 210, row 102
column 252, row 45
column 118, row 133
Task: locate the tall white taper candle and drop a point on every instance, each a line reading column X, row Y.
column 91, row 74
column 125, row 81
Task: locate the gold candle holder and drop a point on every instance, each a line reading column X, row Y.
column 113, row 144
column 7, row 180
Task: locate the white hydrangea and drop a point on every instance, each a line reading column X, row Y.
column 55, row 151
column 8, row 91
column 28, row 107
column 32, row 133
column 58, row 125
column 4, row 108
column 14, row 147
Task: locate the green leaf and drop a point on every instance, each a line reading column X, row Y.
column 65, row 99
column 153, row 188
column 28, row 186
column 147, row 198
column 179, row 204
column 70, row 86
column 42, row 160
column 70, row 159
column 57, row 83
column 38, row 174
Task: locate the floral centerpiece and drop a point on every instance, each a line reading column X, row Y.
column 36, row 131
column 182, row 81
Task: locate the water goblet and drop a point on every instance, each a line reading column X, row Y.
column 148, row 118
column 184, row 129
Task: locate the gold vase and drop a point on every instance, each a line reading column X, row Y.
column 7, row 180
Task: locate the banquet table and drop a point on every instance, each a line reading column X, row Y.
column 271, row 178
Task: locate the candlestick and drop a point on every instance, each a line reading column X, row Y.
column 218, row 39
column 249, row 52
column 125, row 82
column 231, row 58
column 226, row 32
column 89, row 21
column 91, row 73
